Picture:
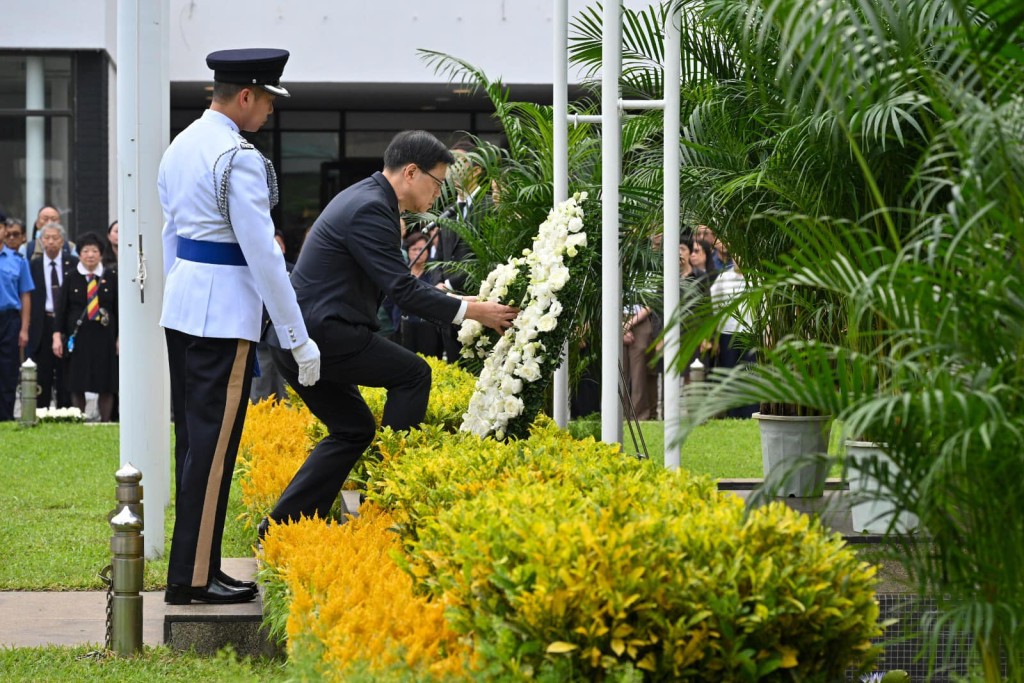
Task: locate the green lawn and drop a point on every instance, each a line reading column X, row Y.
column 61, row 664
column 723, row 449
column 57, row 484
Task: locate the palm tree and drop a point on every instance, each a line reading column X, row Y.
column 913, row 134
column 522, row 174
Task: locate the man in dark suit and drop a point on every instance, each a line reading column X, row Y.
column 449, row 249
column 48, row 272
column 34, row 246
column 351, row 259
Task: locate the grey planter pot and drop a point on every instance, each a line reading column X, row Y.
column 786, row 438
column 872, row 512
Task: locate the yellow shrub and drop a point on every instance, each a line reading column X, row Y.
column 351, row 604
column 273, row 447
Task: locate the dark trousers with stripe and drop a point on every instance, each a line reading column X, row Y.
column 210, row 380
column 352, row 356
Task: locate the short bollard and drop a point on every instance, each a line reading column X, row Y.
column 697, row 371
column 128, row 565
column 29, row 392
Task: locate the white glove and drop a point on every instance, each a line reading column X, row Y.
column 307, row 355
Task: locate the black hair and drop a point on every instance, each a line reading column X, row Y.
column 412, row 238
column 225, row 92
column 90, row 239
column 416, row 147
column 464, row 145
column 708, row 251
column 111, row 226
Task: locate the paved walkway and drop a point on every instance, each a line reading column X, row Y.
column 70, row 618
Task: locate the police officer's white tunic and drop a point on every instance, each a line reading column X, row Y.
column 213, row 300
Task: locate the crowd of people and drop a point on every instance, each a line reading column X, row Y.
column 58, row 308
column 708, row 274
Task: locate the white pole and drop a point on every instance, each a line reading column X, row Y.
column 143, row 125
column 611, row 277
column 670, row 241
column 560, row 112
column 35, row 143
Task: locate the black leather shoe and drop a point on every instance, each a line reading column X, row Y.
column 232, row 582
column 214, row 592
column 264, row 526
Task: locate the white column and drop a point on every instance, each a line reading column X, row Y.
column 611, row 277
column 35, row 142
column 59, row 161
column 670, row 242
column 560, row 112
column 143, row 125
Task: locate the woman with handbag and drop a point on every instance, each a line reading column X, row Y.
column 85, row 324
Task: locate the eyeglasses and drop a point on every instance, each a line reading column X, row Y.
column 440, row 183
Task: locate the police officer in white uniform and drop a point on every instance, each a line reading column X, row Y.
column 222, row 265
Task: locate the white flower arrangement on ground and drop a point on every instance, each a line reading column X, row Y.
column 60, row 415
column 515, row 359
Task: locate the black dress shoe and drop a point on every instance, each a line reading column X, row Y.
column 233, row 582
column 214, row 592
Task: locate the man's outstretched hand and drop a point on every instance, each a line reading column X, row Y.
column 491, row 314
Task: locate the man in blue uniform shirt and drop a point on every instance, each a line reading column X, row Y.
column 15, row 308
column 222, row 266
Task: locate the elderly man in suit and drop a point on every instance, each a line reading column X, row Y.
column 48, row 272
column 351, row 259
column 222, row 267
column 34, row 246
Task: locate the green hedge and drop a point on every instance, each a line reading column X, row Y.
column 567, row 560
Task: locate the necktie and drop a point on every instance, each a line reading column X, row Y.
column 54, row 286
column 462, row 208
column 92, row 293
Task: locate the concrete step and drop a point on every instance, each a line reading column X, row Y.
column 208, row 628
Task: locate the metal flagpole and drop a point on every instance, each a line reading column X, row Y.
column 143, row 96
column 560, row 113
column 670, row 241
column 611, row 277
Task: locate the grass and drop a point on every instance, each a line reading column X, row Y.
column 60, row 664
column 723, row 449
column 58, row 487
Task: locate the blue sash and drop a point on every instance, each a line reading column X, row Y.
column 216, row 253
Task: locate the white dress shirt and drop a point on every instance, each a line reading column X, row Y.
column 47, row 272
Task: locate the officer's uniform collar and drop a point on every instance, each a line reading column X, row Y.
column 221, row 118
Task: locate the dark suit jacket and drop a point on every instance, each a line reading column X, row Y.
column 353, row 257
column 451, row 248
column 35, row 328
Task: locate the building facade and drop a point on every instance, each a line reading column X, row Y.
column 357, row 76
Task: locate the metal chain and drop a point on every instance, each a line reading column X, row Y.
column 106, row 578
